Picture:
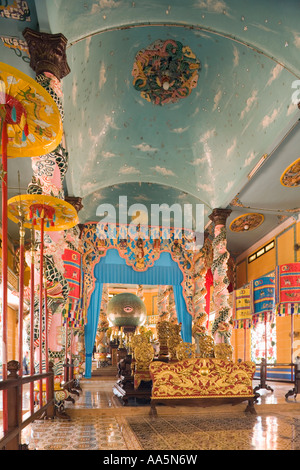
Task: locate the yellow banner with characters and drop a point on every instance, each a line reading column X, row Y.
column 241, row 303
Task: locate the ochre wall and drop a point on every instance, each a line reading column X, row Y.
column 239, row 339
column 12, row 334
column 283, row 252
column 261, row 266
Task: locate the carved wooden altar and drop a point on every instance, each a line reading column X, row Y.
column 204, row 382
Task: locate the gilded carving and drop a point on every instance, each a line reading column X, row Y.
column 144, row 354
column 246, row 222
column 201, row 378
column 185, row 351
column 174, row 339
column 223, row 351
column 206, row 346
column 136, row 341
column 163, row 335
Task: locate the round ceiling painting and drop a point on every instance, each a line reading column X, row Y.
column 246, row 222
column 291, row 176
column 165, row 72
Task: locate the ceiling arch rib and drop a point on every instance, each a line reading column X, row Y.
column 271, row 31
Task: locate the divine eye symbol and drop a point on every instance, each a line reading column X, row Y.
column 128, row 309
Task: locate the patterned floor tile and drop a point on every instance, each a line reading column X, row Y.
column 107, row 425
column 226, row 432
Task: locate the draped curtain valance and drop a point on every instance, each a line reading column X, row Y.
column 113, row 269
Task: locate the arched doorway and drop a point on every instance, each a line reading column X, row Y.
column 113, row 269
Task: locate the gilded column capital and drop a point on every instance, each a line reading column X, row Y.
column 219, row 216
column 47, row 52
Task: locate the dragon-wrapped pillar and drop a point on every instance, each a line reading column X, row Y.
column 222, row 325
column 48, row 60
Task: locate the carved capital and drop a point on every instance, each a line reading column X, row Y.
column 75, row 202
column 219, row 216
column 47, row 52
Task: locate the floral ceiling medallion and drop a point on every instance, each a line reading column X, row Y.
column 165, row 72
column 246, row 222
column 291, row 176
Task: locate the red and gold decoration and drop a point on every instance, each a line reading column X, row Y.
column 165, row 72
column 287, row 279
column 201, row 378
column 72, row 311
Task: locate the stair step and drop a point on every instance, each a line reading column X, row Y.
column 105, row 371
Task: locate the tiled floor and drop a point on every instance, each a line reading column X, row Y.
column 98, row 421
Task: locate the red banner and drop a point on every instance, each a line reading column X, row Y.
column 288, row 283
column 72, row 263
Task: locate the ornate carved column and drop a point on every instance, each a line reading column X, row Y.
column 199, row 300
column 47, row 52
column 48, row 60
column 221, row 329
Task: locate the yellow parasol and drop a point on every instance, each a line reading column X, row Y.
column 32, row 119
column 56, row 214
column 30, row 126
column 42, row 211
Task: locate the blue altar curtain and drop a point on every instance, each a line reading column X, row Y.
column 183, row 315
column 113, row 269
column 90, row 328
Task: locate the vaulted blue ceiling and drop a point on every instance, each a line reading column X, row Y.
column 198, row 150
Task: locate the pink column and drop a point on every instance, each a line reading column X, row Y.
column 221, row 329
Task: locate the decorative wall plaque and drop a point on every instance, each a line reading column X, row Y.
column 246, row 222
column 291, row 176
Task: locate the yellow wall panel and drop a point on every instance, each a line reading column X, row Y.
column 12, row 334
column 285, row 246
column 283, row 252
column 238, row 339
column 283, row 330
column 262, row 265
column 241, row 274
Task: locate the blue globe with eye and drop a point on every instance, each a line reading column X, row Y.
column 126, row 309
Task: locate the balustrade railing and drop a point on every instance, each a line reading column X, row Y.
column 13, row 386
column 295, row 377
